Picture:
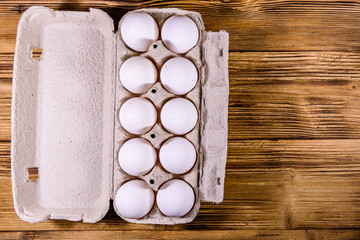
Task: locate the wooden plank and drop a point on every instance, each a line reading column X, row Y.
column 332, row 234
column 159, row 235
column 164, row 235
column 324, row 198
column 287, row 95
column 253, row 25
column 273, row 95
column 5, row 97
column 258, row 205
column 6, row 67
column 269, row 185
column 258, row 155
column 304, row 155
column 188, row 234
column 253, row 200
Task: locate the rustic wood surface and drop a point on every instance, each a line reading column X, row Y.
column 293, row 169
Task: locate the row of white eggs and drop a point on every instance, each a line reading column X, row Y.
column 135, row 198
column 177, row 155
column 178, row 115
column 178, row 75
column 178, row 33
column 137, row 156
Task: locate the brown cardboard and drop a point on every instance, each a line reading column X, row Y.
column 65, row 115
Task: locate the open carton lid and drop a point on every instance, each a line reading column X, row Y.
column 63, row 115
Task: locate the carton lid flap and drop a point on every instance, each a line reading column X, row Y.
column 63, row 115
column 215, row 91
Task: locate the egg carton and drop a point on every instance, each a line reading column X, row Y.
column 65, row 123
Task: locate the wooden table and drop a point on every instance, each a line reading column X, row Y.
column 293, row 168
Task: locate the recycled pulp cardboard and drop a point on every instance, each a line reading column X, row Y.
column 65, row 115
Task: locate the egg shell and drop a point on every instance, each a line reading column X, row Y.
column 138, row 74
column 134, row 199
column 137, row 115
column 179, row 116
column 178, row 75
column 177, row 155
column 139, row 30
column 179, row 34
column 175, row 198
column 137, row 156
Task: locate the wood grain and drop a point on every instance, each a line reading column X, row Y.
column 293, row 169
column 185, row 235
column 287, row 95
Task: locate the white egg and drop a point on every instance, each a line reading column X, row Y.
column 177, row 155
column 179, row 34
column 137, row 115
column 179, row 75
column 137, row 156
column 179, row 116
column 138, row 74
column 175, row 198
column 134, row 199
column 139, row 30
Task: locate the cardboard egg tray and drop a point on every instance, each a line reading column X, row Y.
column 65, row 115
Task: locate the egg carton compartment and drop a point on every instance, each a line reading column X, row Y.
column 65, row 115
column 159, row 54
